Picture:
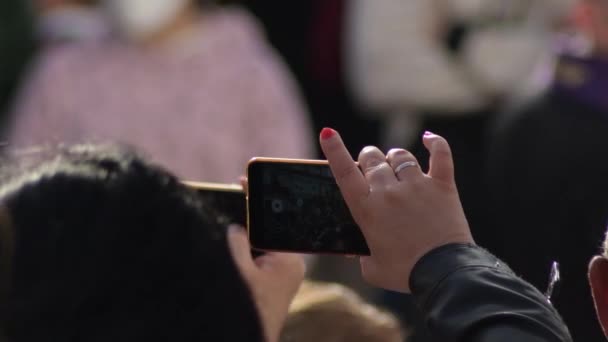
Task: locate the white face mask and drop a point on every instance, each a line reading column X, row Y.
column 139, row 19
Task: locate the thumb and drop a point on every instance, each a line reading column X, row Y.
column 240, row 249
column 441, row 163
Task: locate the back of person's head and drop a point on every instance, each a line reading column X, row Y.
column 99, row 245
column 329, row 312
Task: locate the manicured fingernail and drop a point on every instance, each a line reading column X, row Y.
column 327, row 133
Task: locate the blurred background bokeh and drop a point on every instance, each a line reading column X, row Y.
column 519, row 88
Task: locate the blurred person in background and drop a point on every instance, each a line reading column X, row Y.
column 330, row 312
column 17, row 46
column 70, row 21
column 445, row 66
column 186, row 83
column 448, row 67
column 548, row 169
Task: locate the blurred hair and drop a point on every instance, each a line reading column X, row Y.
column 107, row 247
column 329, row 312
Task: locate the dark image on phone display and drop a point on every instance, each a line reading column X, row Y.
column 297, row 206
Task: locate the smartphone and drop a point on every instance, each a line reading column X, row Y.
column 227, row 201
column 295, row 205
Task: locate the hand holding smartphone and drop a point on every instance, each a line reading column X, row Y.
column 294, row 205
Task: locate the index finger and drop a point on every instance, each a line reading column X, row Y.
column 351, row 181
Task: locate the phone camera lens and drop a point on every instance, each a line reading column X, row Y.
column 277, row 206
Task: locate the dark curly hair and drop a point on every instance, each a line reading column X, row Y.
column 107, row 247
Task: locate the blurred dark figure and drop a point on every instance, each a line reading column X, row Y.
column 17, row 45
column 310, row 35
column 548, row 175
column 60, row 21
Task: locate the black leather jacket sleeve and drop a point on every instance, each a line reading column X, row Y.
column 467, row 294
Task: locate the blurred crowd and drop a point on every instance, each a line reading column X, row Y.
column 519, row 88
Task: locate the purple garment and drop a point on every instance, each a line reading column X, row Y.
column 584, row 79
column 202, row 106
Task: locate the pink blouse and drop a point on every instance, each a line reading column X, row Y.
column 201, row 107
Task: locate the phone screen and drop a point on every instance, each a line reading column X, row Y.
column 296, row 206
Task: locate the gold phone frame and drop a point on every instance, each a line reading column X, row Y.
column 288, row 161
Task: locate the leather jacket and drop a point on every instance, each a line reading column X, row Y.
column 467, row 294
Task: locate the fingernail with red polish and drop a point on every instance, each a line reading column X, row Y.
column 327, row 133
